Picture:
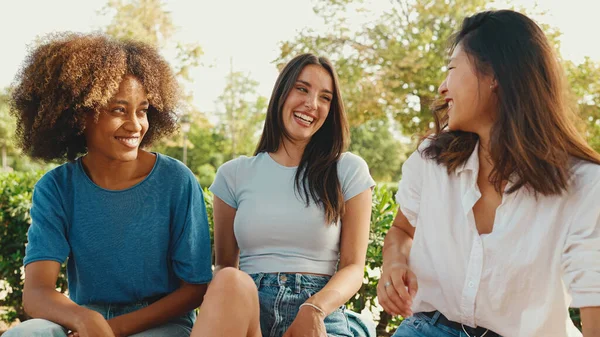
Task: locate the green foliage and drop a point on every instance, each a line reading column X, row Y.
column 242, row 112
column 376, row 144
column 15, row 202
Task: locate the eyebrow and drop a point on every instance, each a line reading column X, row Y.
column 124, row 102
column 308, row 85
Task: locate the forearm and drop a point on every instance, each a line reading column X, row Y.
column 340, row 288
column 396, row 247
column 590, row 321
column 182, row 300
column 55, row 307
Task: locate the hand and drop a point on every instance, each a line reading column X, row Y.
column 92, row 324
column 396, row 289
column 308, row 323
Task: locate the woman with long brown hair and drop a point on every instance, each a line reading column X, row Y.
column 295, row 216
column 498, row 231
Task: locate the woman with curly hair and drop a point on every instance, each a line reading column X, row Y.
column 132, row 224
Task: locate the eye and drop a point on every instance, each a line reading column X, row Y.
column 302, row 89
column 118, row 110
column 143, row 111
column 450, row 68
column 326, row 98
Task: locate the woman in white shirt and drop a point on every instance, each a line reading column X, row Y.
column 498, row 231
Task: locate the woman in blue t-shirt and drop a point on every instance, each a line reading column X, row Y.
column 131, row 224
column 295, row 216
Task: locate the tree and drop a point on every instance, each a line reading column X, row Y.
column 392, row 65
column 242, row 112
column 7, row 129
column 376, row 144
column 584, row 79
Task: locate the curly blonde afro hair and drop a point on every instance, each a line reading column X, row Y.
column 70, row 76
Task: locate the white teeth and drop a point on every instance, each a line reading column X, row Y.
column 304, row 117
column 133, row 141
column 450, row 104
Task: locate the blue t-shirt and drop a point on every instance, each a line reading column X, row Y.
column 126, row 245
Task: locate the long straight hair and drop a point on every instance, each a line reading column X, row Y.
column 316, row 178
column 534, row 135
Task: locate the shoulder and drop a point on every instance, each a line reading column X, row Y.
column 169, row 169
column 241, row 163
column 59, row 177
column 585, row 175
column 349, row 160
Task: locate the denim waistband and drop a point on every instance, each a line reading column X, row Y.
column 294, row 281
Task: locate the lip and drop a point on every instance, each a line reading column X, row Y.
column 122, row 140
column 300, row 122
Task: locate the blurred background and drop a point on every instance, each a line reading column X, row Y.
column 390, row 56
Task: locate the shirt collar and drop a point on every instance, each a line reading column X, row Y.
column 472, row 164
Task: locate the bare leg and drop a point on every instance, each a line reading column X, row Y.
column 230, row 307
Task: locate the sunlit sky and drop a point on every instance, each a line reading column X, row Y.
column 245, row 31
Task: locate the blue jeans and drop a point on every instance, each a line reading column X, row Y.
column 177, row 327
column 420, row 325
column 280, row 296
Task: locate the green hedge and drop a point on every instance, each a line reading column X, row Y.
column 15, row 202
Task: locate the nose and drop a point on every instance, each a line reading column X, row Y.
column 311, row 102
column 134, row 123
column 443, row 89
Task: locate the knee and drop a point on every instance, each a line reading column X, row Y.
column 232, row 280
column 36, row 328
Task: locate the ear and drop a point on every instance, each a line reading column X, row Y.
column 493, row 85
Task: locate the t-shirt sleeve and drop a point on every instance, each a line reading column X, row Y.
column 47, row 235
column 191, row 254
column 224, row 185
column 581, row 254
column 410, row 186
column 354, row 174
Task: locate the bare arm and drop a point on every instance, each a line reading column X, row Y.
column 226, row 248
column 590, row 321
column 398, row 241
column 186, row 298
column 41, row 300
column 396, row 275
column 353, row 248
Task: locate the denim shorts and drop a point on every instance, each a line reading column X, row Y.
column 180, row 326
column 280, row 296
column 421, row 325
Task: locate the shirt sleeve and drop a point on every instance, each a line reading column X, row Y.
column 47, row 235
column 410, row 185
column 581, row 255
column 355, row 176
column 191, row 254
column 224, row 185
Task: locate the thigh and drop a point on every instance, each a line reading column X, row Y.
column 36, row 328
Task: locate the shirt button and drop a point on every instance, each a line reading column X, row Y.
column 471, row 284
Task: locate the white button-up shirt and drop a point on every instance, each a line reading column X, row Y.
column 542, row 256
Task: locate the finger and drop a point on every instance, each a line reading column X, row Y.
column 413, row 285
column 398, row 293
column 385, row 302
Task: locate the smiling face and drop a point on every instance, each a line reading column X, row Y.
column 121, row 125
column 307, row 105
column 470, row 96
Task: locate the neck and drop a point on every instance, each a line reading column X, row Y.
column 486, row 165
column 289, row 153
column 110, row 173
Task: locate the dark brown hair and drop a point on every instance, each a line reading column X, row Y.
column 70, row 76
column 316, row 177
column 534, row 135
